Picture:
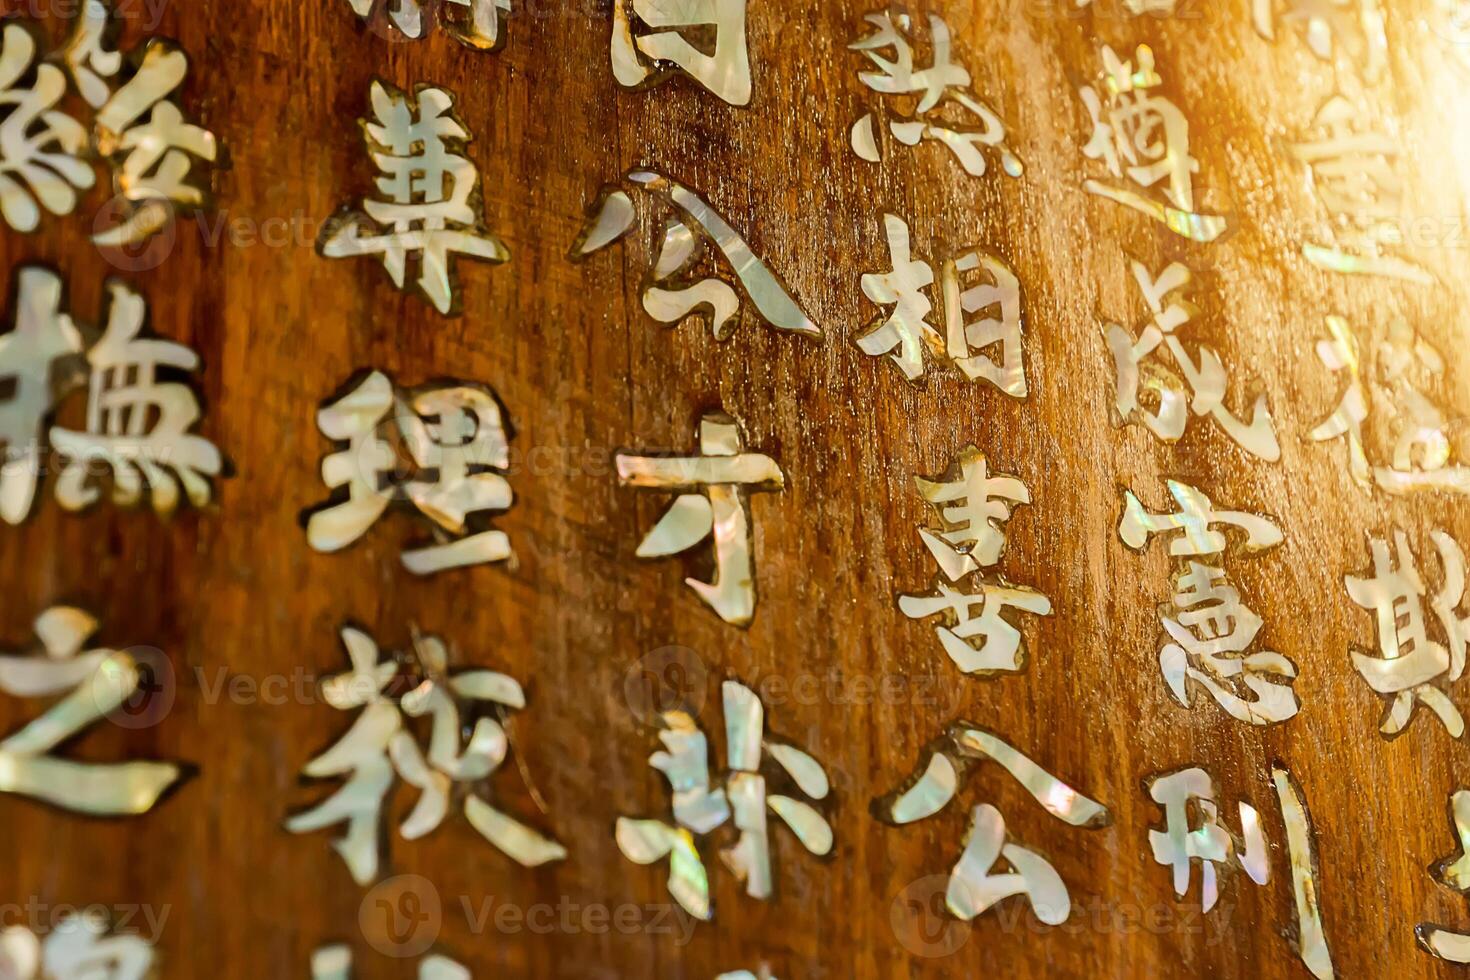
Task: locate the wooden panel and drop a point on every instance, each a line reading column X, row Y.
column 239, row 602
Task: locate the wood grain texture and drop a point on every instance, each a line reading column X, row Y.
column 236, row 594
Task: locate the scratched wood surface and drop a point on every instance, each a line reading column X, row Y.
column 247, row 615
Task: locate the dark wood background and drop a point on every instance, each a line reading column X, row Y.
column 236, row 593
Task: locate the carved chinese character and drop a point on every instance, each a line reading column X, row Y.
column 1306, row 890
column 699, row 809
column 1356, row 26
column 97, row 682
column 1354, row 174
column 1143, row 136
column 1197, row 518
column 1409, row 662
column 1452, row 872
column 710, row 502
column 1202, row 388
column 991, row 870
column 151, row 146
column 88, row 58
column 904, row 332
column 704, row 39
column 139, row 129
column 1193, row 832
column 40, row 146
column 80, row 947
column 1406, row 366
column 473, row 23
column 455, row 437
column 430, row 208
column 1210, row 625
column 1340, row 353
column 673, row 290
column 380, row 747
column 139, row 423
column 41, row 337
column 1396, row 372
column 335, row 963
column 972, row 508
column 947, row 112
column 152, row 158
